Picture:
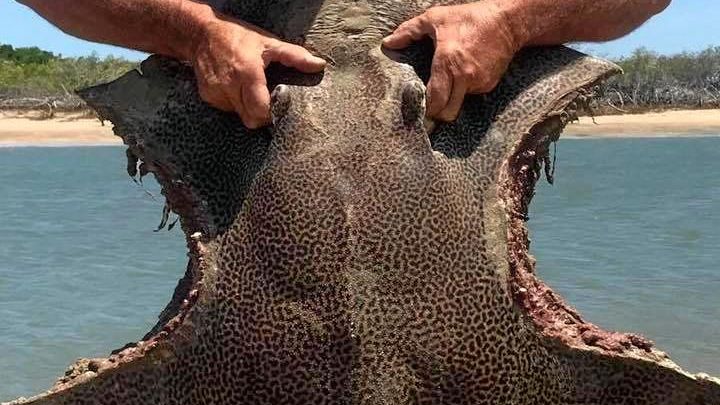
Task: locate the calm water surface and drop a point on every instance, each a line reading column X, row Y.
column 629, row 234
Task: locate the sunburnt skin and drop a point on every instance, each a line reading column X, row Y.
column 355, row 253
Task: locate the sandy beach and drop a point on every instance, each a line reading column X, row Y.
column 648, row 125
column 64, row 130
column 74, row 130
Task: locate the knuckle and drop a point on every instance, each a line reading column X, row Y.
column 457, row 61
column 442, row 60
column 409, row 27
column 293, row 48
column 271, row 50
column 452, row 52
column 432, row 14
column 405, row 25
column 211, row 82
column 467, row 72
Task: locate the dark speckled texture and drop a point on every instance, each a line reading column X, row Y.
column 354, row 253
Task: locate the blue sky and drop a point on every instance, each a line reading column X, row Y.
column 687, row 25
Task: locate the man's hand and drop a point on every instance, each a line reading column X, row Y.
column 473, row 47
column 475, row 42
column 229, row 56
column 229, row 59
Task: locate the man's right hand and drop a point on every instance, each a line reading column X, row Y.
column 230, row 57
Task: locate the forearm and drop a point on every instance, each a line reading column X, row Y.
column 168, row 27
column 552, row 22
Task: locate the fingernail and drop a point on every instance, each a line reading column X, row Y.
column 317, row 60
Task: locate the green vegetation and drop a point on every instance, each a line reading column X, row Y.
column 25, row 55
column 651, row 81
column 32, row 72
column 689, row 80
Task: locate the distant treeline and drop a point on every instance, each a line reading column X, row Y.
column 652, row 81
column 33, row 72
column 34, row 78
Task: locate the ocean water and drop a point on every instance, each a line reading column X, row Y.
column 629, row 234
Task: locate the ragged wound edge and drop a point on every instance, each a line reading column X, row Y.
column 181, row 200
column 583, row 101
column 548, row 311
column 178, row 195
column 561, row 324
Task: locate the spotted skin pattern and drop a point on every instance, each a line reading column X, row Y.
column 354, row 253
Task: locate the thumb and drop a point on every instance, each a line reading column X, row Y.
column 295, row 56
column 407, row 32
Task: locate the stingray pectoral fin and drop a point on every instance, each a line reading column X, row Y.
column 602, row 378
column 160, row 117
column 528, row 111
column 158, row 113
column 135, row 375
column 541, row 83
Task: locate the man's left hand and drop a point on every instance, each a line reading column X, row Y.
column 474, row 44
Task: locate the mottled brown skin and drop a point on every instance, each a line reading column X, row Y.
column 354, row 253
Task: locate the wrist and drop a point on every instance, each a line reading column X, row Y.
column 528, row 21
column 196, row 21
column 515, row 20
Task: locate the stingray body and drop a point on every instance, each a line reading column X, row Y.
column 355, row 253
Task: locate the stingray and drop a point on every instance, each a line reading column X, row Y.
column 355, row 252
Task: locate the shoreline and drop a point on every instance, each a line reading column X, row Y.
column 666, row 124
column 28, row 129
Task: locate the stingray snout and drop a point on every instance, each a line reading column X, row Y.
column 413, row 103
column 280, row 102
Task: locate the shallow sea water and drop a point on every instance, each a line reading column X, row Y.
column 629, row 234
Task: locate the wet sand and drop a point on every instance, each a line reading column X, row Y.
column 684, row 123
column 73, row 130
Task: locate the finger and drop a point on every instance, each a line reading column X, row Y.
column 209, row 93
column 452, row 109
column 407, row 32
column 438, row 88
column 236, row 98
column 256, row 99
column 294, row 56
column 215, row 99
column 251, row 99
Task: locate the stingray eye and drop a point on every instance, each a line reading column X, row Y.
column 280, row 101
column 413, row 103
